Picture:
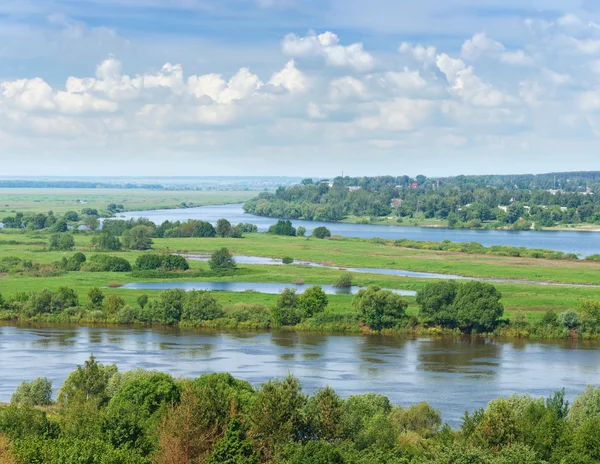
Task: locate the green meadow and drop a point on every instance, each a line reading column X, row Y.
column 341, row 253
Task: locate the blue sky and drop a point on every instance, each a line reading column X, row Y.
column 298, row 87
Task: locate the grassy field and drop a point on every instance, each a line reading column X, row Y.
column 533, row 299
column 61, row 200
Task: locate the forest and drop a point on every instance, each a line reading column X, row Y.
column 511, row 202
column 104, row 416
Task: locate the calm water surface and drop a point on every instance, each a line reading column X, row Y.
column 583, row 243
column 453, row 375
column 271, row 288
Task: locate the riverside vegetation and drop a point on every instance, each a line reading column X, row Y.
column 103, row 416
column 470, row 202
column 75, row 276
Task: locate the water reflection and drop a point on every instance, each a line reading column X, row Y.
column 452, row 374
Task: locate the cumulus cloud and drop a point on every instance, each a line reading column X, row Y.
column 465, row 84
column 290, row 78
column 327, row 45
column 419, row 52
column 480, row 45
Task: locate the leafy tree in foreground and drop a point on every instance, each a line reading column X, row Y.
column 379, row 309
column 37, row 393
column 222, row 260
column 312, row 301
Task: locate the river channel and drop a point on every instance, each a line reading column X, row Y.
column 452, row 374
column 582, row 243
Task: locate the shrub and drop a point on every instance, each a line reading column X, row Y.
column 312, row 301
column 148, row 262
column 282, row 228
column 321, row 232
column 301, row 232
column 247, row 228
column 344, row 281
column 107, row 263
column 287, row 260
column 379, row 309
column 36, row 393
column 286, row 311
column 62, row 242
column 221, row 260
column 175, row 263
column 201, row 306
column 223, row 228
column 142, row 301
column 569, row 319
column 105, row 241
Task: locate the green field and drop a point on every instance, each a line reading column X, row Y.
column 533, row 299
column 31, row 200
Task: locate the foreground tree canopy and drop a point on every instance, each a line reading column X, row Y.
column 105, row 416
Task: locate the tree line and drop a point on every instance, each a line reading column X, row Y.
column 518, row 202
column 104, row 416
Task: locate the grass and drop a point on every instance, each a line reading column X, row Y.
column 28, row 200
column 533, row 299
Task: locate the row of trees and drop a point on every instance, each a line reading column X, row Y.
column 104, row 416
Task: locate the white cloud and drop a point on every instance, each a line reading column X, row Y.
column 480, row 45
column 290, row 78
column 468, row 86
column 346, row 88
column 405, row 80
column 400, row 114
column 327, row 45
column 419, row 52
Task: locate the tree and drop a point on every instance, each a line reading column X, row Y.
column 71, row 216
column 222, row 260
column 201, row 306
column 286, row 311
column 175, row 263
column 138, row 238
column 92, row 222
column 95, row 298
column 569, row 319
column 142, row 301
column 324, row 411
column 312, row 301
column 223, row 228
column 105, row 241
column 477, row 306
column 37, row 393
column 283, row 227
column 379, row 309
column 321, row 232
column 148, row 262
column 276, row 414
column 89, row 382
column 301, row 232
column 436, row 302
column 62, row 242
column 233, row 448
column 168, row 307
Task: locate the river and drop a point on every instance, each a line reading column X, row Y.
column 582, row 243
column 451, row 374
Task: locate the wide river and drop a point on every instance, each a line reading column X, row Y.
column 582, row 243
column 451, row 374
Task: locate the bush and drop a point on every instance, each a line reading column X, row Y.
column 321, row 232
column 379, row 309
column 223, row 228
column 138, row 238
column 301, row 232
column 312, row 301
column 36, row 393
column 282, row 228
column 569, row 319
column 74, row 262
column 106, row 263
column 287, row 260
column 344, row 281
column 477, row 307
column 247, row 228
column 286, row 311
column 105, row 241
column 148, row 262
column 222, row 260
column 201, row 306
column 175, row 263
column 62, row 242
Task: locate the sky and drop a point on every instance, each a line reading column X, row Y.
column 298, row 87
